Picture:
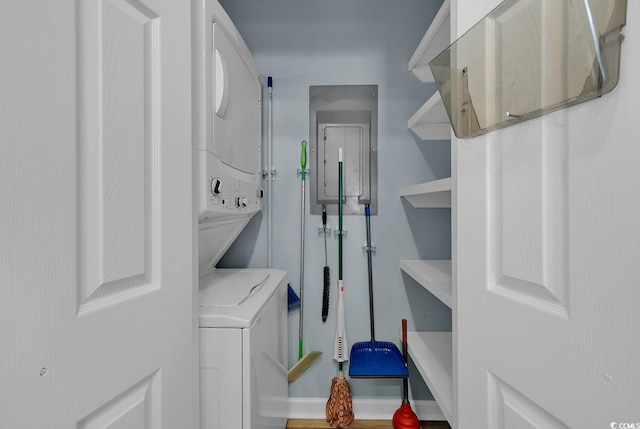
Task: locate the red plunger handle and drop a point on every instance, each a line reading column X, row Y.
column 404, row 331
column 405, row 381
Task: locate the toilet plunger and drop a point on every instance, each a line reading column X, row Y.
column 404, row 417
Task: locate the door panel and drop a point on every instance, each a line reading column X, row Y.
column 134, row 329
column 528, row 325
column 37, row 214
column 545, row 240
column 514, row 323
column 529, row 217
column 118, row 143
column 97, row 261
column 135, row 408
column 508, row 409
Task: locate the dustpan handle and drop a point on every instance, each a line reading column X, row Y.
column 367, row 213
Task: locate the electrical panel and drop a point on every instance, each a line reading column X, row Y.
column 343, row 116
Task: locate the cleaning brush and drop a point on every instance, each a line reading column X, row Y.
column 326, row 277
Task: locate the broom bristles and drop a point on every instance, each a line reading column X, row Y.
column 293, row 300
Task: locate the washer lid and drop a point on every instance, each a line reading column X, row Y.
column 231, row 298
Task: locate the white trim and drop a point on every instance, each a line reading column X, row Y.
column 364, row 409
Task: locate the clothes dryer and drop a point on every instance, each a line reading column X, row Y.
column 227, row 131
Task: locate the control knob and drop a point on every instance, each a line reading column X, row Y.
column 215, row 186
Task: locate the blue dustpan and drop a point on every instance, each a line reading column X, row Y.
column 376, row 359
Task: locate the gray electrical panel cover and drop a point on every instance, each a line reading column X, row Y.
column 343, row 116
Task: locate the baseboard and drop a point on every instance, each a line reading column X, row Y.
column 364, row 409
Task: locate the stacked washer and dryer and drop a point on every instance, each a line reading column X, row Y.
column 243, row 312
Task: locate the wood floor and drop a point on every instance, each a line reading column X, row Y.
column 358, row 424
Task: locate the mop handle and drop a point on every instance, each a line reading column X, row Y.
column 340, row 232
column 367, row 213
column 340, row 365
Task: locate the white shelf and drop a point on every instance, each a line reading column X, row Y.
column 432, row 351
column 434, row 276
column 436, row 39
column 432, row 354
column 432, row 194
column 431, row 121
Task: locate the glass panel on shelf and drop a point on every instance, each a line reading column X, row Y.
column 527, row 58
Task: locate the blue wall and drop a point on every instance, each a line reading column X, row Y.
column 348, row 42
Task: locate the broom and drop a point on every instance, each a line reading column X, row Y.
column 304, row 361
column 339, row 410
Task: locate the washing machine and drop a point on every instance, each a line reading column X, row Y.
column 243, row 326
column 243, row 349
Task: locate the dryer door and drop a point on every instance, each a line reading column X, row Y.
column 236, row 106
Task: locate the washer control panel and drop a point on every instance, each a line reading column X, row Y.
column 226, row 195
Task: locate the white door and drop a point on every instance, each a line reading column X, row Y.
column 547, row 244
column 96, row 255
